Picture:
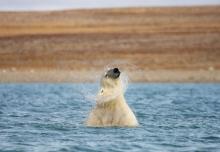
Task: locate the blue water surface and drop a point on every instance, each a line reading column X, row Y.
column 50, row 117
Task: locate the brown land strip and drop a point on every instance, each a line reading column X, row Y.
column 151, row 44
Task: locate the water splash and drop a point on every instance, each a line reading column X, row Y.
column 123, row 77
column 125, row 80
column 89, row 94
column 94, row 95
column 100, row 98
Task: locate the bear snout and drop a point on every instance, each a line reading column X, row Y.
column 113, row 73
column 116, row 70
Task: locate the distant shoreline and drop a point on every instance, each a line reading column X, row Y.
column 62, row 76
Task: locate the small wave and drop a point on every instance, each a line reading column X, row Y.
column 211, row 138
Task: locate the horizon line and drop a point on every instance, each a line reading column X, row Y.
column 53, row 5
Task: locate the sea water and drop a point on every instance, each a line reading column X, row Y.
column 50, row 117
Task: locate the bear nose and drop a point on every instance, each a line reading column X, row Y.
column 116, row 70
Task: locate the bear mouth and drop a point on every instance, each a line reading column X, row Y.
column 113, row 73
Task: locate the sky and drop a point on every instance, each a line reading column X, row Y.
column 38, row 5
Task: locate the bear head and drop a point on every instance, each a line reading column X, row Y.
column 111, row 86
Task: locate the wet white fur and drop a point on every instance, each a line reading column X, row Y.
column 111, row 108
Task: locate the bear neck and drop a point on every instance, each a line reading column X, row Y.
column 119, row 100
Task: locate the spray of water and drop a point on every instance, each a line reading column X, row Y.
column 123, row 77
column 96, row 96
column 89, row 94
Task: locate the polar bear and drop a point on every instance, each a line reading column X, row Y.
column 111, row 108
